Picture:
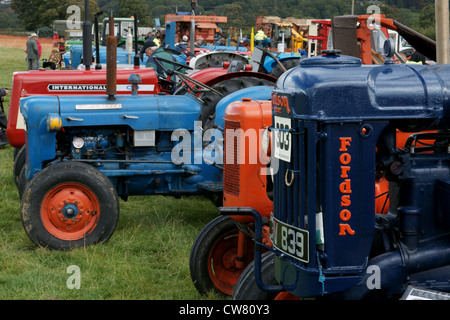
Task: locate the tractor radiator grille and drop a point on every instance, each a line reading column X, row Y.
column 231, row 170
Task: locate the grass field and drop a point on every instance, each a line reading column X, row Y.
column 146, row 258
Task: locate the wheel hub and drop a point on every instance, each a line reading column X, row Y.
column 70, row 211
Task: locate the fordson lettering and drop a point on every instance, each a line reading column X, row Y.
column 345, row 188
column 280, row 102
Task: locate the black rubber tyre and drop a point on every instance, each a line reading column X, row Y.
column 20, row 159
column 277, row 71
column 209, row 268
column 226, row 87
column 69, row 205
column 22, row 182
column 246, row 287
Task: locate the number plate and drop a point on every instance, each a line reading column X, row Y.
column 282, row 138
column 290, row 240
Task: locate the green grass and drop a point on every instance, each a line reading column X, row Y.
column 146, row 258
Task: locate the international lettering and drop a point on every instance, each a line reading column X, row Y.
column 76, row 87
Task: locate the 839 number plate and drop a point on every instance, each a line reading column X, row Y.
column 290, row 240
column 282, row 138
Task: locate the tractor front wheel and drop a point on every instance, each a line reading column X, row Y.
column 214, row 262
column 247, row 289
column 69, row 205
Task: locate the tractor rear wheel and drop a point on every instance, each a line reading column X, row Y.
column 69, row 205
column 226, row 87
column 213, row 262
column 277, row 71
column 19, row 162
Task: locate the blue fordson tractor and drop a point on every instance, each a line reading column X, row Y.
column 334, row 129
column 84, row 152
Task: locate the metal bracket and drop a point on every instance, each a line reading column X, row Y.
column 258, row 246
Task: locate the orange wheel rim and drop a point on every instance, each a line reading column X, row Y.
column 70, row 211
column 222, row 267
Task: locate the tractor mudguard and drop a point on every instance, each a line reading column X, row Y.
column 232, row 75
column 215, row 59
column 43, row 118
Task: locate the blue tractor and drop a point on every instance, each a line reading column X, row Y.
column 334, row 131
column 84, row 152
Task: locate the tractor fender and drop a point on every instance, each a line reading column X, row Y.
column 215, row 59
column 39, row 114
column 270, row 63
column 238, row 74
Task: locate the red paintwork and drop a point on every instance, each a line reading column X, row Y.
column 37, row 82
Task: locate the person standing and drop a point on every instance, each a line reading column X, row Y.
column 3, row 118
column 158, row 52
column 39, row 52
column 32, row 52
column 260, row 36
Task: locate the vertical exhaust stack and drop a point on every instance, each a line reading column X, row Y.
column 136, row 49
column 98, row 66
column 111, row 61
column 87, row 37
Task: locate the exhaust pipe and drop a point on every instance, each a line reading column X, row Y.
column 395, row 267
column 87, row 38
column 111, row 61
column 136, row 51
column 98, row 66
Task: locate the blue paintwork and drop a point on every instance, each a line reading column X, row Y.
column 333, row 97
column 146, row 170
column 73, row 58
column 270, row 63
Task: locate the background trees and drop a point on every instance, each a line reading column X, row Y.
column 33, row 14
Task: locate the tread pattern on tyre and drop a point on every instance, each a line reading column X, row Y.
column 63, row 172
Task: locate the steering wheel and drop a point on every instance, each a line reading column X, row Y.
column 179, row 65
column 185, row 79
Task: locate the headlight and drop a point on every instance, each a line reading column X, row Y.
column 265, row 141
column 78, row 143
column 54, row 122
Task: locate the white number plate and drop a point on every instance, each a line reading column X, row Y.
column 282, row 138
column 290, row 240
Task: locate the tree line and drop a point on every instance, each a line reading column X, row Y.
column 33, row 14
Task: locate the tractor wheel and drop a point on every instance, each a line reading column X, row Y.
column 69, row 205
column 22, row 182
column 212, row 262
column 277, row 71
column 20, row 160
column 246, row 287
column 226, row 87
